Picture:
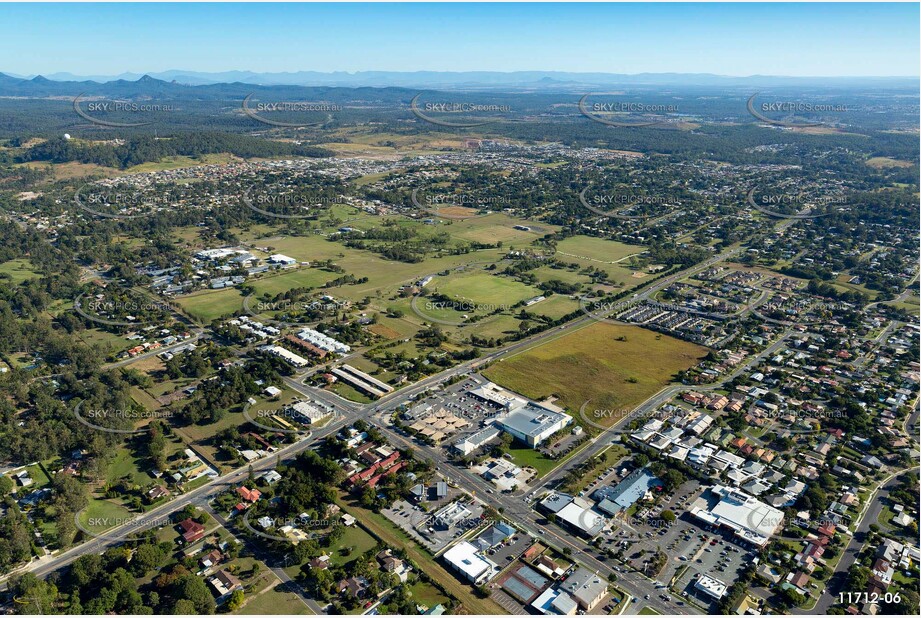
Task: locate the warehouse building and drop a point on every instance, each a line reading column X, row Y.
column 469, row 444
column 307, row 412
column 362, row 381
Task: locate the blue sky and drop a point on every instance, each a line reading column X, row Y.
column 727, row 39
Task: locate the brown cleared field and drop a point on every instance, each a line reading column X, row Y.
column 74, row 169
column 497, row 227
column 456, row 211
column 626, row 153
column 384, row 331
column 591, row 364
column 881, row 162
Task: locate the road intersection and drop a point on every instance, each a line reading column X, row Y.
column 512, row 506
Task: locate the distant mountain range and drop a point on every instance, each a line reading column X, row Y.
column 147, row 87
column 534, row 81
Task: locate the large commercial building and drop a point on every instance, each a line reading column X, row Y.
column 466, row 560
column 750, row 519
column 469, row 444
column 575, row 513
column 554, row 601
column 587, row 588
column 525, row 420
column 450, row 515
column 307, row 412
column 498, row 397
column 533, row 423
column 622, row 496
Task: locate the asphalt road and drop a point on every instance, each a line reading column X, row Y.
column 351, row 412
column 155, row 516
column 838, row 581
column 280, row 573
column 519, row 512
column 512, row 505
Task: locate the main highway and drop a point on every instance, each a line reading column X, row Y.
column 347, row 413
column 512, row 506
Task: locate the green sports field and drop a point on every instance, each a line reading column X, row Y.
column 554, row 307
column 486, row 289
column 298, row 278
column 208, row 305
column 592, row 248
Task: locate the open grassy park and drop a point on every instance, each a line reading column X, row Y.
column 101, row 514
column 208, row 305
column 499, row 227
column 17, row 271
column 485, row 288
column 612, row 365
column 525, row 456
column 596, row 249
column 351, row 546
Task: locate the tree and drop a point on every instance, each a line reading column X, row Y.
column 195, row 590
column 6, row 486
column 672, row 479
column 85, row 569
column 33, row 595
column 907, row 604
column 184, row 607
column 235, row 601
column 146, row 558
column 792, row 597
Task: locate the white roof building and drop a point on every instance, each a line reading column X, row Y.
column 467, row 561
column 553, row 601
column 533, row 423
column 467, row 445
column 323, row 341
column 711, row 587
column 308, row 412
column 286, row 355
column 495, row 394
column 577, row 513
column 752, row 521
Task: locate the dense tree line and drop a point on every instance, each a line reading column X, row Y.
column 144, row 149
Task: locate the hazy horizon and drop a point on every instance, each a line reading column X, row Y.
column 849, row 40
